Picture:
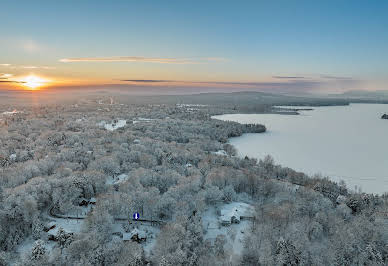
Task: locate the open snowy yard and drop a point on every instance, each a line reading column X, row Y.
column 234, row 233
column 115, row 124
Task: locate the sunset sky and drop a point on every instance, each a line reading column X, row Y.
column 331, row 46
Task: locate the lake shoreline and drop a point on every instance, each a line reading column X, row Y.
column 343, row 165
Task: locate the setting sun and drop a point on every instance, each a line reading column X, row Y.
column 34, row 82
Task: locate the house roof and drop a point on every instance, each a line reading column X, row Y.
column 229, row 213
column 236, row 209
column 139, row 233
column 51, row 224
column 127, row 236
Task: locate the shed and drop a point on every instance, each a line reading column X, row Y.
column 92, row 201
column 83, row 202
column 341, row 199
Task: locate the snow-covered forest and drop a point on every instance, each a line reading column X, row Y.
column 73, row 175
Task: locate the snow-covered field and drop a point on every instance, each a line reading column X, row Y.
column 11, row 112
column 77, row 212
column 26, row 246
column 75, row 226
column 141, row 119
column 117, row 180
column 116, row 124
column 212, row 220
column 220, row 152
column 190, row 105
column 68, row 225
column 151, row 232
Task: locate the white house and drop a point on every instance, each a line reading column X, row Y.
column 235, row 212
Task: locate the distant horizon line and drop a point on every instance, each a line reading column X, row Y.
column 174, row 90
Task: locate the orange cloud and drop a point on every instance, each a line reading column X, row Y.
column 5, row 76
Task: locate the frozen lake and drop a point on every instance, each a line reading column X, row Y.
column 347, row 143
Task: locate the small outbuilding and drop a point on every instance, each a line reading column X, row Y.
column 93, row 201
column 83, row 202
column 341, row 200
column 12, row 157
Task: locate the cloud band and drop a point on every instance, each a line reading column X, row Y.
column 158, row 60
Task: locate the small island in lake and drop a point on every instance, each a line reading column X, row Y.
column 384, row 116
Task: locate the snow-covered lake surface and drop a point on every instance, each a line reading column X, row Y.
column 343, row 142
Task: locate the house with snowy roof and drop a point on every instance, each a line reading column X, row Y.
column 235, row 212
column 135, row 235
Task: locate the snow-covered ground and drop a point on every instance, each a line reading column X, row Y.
column 77, row 212
column 121, row 227
column 151, row 232
column 11, row 113
column 117, row 180
column 116, row 124
column 181, row 105
column 141, row 119
column 111, row 101
column 26, row 246
column 101, row 124
column 236, row 209
column 81, row 120
column 69, row 225
column 234, row 233
column 190, row 107
column 220, row 152
column 75, row 226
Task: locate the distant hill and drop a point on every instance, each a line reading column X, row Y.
column 358, row 94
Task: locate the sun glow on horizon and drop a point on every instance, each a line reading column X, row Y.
column 34, row 82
